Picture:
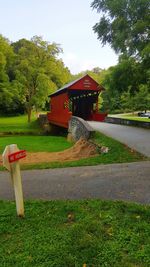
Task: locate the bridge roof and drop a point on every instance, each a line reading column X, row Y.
column 83, row 83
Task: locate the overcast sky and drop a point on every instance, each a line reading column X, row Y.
column 66, row 22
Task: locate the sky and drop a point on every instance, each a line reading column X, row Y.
column 65, row 22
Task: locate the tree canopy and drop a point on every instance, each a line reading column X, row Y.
column 124, row 24
column 9, row 99
column 29, row 71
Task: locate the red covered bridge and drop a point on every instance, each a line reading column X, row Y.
column 78, row 98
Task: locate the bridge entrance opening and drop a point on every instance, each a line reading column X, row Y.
column 83, row 103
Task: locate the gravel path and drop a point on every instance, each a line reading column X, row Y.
column 134, row 137
column 127, row 181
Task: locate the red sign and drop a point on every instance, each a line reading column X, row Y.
column 17, row 155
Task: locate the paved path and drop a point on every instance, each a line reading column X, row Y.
column 134, row 137
column 127, row 181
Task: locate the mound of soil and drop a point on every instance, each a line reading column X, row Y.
column 81, row 149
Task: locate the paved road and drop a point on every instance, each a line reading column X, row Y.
column 127, row 181
column 134, row 137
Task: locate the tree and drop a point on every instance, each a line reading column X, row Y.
column 96, row 73
column 37, row 71
column 142, row 98
column 127, row 101
column 9, row 97
column 122, row 82
column 126, row 74
column 124, row 25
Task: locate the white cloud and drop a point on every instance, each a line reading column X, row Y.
column 88, row 65
column 76, row 64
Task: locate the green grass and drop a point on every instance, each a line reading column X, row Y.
column 132, row 117
column 72, row 233
column 118, row 153
column 19, row 124
column 36, row 143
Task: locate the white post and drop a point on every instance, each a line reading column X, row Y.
column 17, row 183
column 14, row 169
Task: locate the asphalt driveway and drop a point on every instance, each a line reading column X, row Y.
column 127, row 181
column 134, row 137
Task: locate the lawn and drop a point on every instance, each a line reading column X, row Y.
column 118, row 153
column 36, row 143
column 19, row 124
column 131, row 117
column 90, row 233
column 73, row 233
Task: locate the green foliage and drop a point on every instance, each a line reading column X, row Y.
column 74, row 233
column 100, row 102
column 142, row 98
column 29, row 72
column 123, row 24
column 96, row 73
column 9, row 97
column 139, row 101
column 127, row 101
column 36, row 66
column 122, row 83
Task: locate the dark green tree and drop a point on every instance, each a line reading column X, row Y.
column 127, row 101
column 124, row 24
column 38, row 71
column 126, row 74
column 9, row 95
column 122, row 82
column 142, row 98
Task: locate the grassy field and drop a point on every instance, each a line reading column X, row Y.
column 90, row 233
column 118, row 152
column 19, row 124
column 131, row 117
column 36, row 143
column 73, row 233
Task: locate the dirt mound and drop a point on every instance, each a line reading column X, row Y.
column 81, row 149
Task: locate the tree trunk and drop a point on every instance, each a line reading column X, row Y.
column 29, row 114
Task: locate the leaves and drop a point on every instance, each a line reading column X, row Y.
column 124, row 25
column 37, row 70
column 29, row 72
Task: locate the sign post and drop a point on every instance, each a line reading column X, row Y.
column 11, row 156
